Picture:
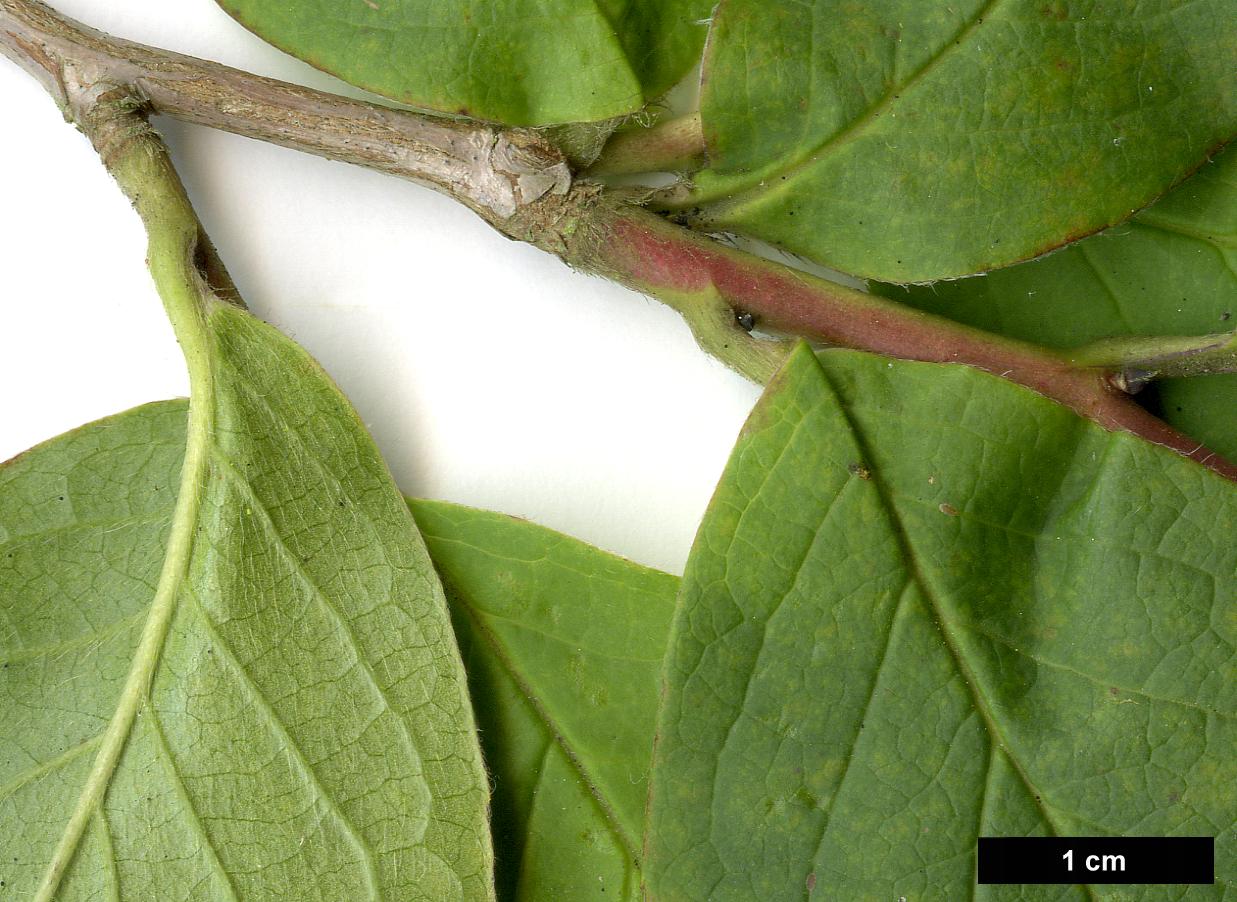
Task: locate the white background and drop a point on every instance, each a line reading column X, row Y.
column 489, row 373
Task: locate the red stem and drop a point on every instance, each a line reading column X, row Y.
column 658, row 257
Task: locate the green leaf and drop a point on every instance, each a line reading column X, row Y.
column 927, row 605
column 1202, row 407
column 563, row 645
column 1172, row 270
column 241, row 686
column 522, row 62
column 911, row 141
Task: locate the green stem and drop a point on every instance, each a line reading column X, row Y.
column 1137, row 361
column 676, row 145
column 187, row 273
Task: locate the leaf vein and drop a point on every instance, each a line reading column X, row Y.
column 106, row 525
column 856, row 127
column 30, row 652
column 858, row 733
column 919, row 575
column 543, row 714
column 182, row 792
column 289, row 744
column 42, row 769
column 1091, row 678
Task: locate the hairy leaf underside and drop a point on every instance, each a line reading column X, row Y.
column 290, row 707
column 924, row 605
column 897, row 632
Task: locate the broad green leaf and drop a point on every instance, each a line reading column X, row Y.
column 522, row 62
column 1204, row 407
column 277, row 673
column 563, row 645
column 927, row 605
column 910, row 141
column 1172, row 270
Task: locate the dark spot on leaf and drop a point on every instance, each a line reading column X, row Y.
column 1226, row 316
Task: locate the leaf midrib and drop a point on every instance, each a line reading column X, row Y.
column 753, row 185
column 188, row 302
column 918, row 575
column 549, row 724
column 136, row 687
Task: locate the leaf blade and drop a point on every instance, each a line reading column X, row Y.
column 306, row 728
column 853, row 134
column 910, row 657
column 564, row 645
column 514, row 61
column 1171, row 270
